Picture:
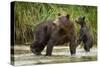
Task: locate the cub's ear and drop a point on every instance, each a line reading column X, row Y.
column 67, row 16
column 83, row 17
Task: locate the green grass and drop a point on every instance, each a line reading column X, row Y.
column 29, row 15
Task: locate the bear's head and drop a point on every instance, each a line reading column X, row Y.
column 62, row 19
column 36, row 49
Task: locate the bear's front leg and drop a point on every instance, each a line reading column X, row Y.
column 73, row 47
column 53, row 41
column 49, row 48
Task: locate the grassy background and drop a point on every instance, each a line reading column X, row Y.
column 28, row 15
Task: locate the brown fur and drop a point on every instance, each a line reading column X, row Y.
column 50, row 34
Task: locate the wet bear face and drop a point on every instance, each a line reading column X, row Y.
column 35, row 48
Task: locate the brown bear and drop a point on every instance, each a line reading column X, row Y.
column 50, row 33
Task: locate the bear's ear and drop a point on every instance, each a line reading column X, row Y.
column 67, row 16
column 83, row 17
column 59, row 14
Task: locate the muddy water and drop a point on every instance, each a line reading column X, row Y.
column 61, row 54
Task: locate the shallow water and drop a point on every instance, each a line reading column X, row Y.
column 61, row 54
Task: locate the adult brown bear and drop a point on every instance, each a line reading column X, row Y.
column 53, row 32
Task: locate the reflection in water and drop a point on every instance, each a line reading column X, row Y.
column 82, row 58
column 88, row 58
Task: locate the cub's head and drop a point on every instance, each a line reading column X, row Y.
column 81, row 20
